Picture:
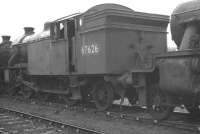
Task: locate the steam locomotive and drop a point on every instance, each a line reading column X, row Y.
column 106, row 53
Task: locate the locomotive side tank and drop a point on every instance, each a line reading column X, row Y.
column 39, row 53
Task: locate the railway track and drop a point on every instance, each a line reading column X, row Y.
column 178, row 120
column 177, row 124
column 128, row 113
column 17, row 122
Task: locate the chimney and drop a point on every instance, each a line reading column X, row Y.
column 5, row 38
column 28, row 30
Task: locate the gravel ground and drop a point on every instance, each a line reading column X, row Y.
column 89, row 119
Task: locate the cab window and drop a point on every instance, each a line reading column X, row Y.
column 70, row 28
column 57, row 30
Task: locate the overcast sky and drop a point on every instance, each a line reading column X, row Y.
column 16, row 14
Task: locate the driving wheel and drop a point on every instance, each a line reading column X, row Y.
column 103, row 95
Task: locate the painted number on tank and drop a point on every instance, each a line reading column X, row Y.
column 89, row 49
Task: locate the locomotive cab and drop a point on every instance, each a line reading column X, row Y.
column 65, row 30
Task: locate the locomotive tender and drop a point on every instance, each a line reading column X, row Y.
column 110, row 52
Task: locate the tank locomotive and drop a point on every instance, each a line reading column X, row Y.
column 111, row 52
column 105, row 54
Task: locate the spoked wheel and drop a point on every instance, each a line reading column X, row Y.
column 103, row 95
column 159, row 104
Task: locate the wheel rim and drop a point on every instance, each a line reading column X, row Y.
column 103, row 95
